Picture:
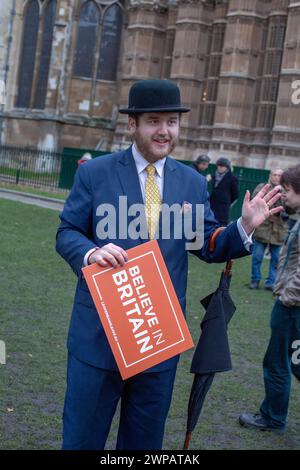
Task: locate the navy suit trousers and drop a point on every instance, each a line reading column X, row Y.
column 91, row 400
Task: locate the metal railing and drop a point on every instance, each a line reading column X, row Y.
column 48, row 169
column 33, row 167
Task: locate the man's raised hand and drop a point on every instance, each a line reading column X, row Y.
column 255, row 211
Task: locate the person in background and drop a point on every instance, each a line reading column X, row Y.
column 201, row 164
column 269, row 235
column 282, row 358
column 225, row 190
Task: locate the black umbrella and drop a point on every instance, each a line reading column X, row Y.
column 212, row 353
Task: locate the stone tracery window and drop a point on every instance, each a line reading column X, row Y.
column 110, row 43
column 267, row 82
column 211, row 75
column 28, row 52
column 31, row 91
column 98, row 35
column 46, row 48
column 86, row 40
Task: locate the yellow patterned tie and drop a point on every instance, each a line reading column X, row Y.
column 153, row 201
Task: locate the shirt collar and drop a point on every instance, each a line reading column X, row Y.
column 142, row 163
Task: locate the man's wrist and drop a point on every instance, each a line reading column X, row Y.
column 247, row 227
column 86, row 260
column 89, row 261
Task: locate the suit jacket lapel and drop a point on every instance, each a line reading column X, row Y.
column 171, row 195
column 130, row 184
column 129, row 178
column 171, row 183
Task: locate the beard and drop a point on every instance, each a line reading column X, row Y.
column 150, row 150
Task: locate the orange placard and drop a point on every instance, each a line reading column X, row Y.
column 139, row 310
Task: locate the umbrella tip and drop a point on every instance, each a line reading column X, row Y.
column 187, row 441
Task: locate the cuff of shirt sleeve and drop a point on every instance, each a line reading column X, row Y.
column 246, row 239
column 87, row 255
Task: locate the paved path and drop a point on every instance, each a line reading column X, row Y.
column 26, row 198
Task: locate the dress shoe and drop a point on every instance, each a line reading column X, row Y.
column 257, row 421
column 254, row 285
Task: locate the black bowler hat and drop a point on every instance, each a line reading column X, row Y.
column 154, row 96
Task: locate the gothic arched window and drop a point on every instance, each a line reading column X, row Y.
column 110, row 43
column 43, row 73
column 86, row 40
column 28, row 50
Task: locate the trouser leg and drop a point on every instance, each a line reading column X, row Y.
column 295, row 343
column 144, row 409
column 91, row 399
column 274, row 252
column 277, row 368
column 257, row 258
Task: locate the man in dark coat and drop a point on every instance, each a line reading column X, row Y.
column 225, row 190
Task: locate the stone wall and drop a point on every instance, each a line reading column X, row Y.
column 219, row 53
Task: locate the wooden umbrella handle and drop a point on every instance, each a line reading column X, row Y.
column 212, row 244
column 213, row 237
column 228, row 268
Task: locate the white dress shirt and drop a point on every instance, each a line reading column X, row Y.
column 141, row 165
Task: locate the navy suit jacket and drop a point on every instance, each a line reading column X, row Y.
column 103, row 180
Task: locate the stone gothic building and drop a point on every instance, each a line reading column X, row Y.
column 67, row 66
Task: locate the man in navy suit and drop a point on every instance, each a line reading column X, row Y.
column 94, row 385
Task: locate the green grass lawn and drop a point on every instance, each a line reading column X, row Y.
column 37, row 289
